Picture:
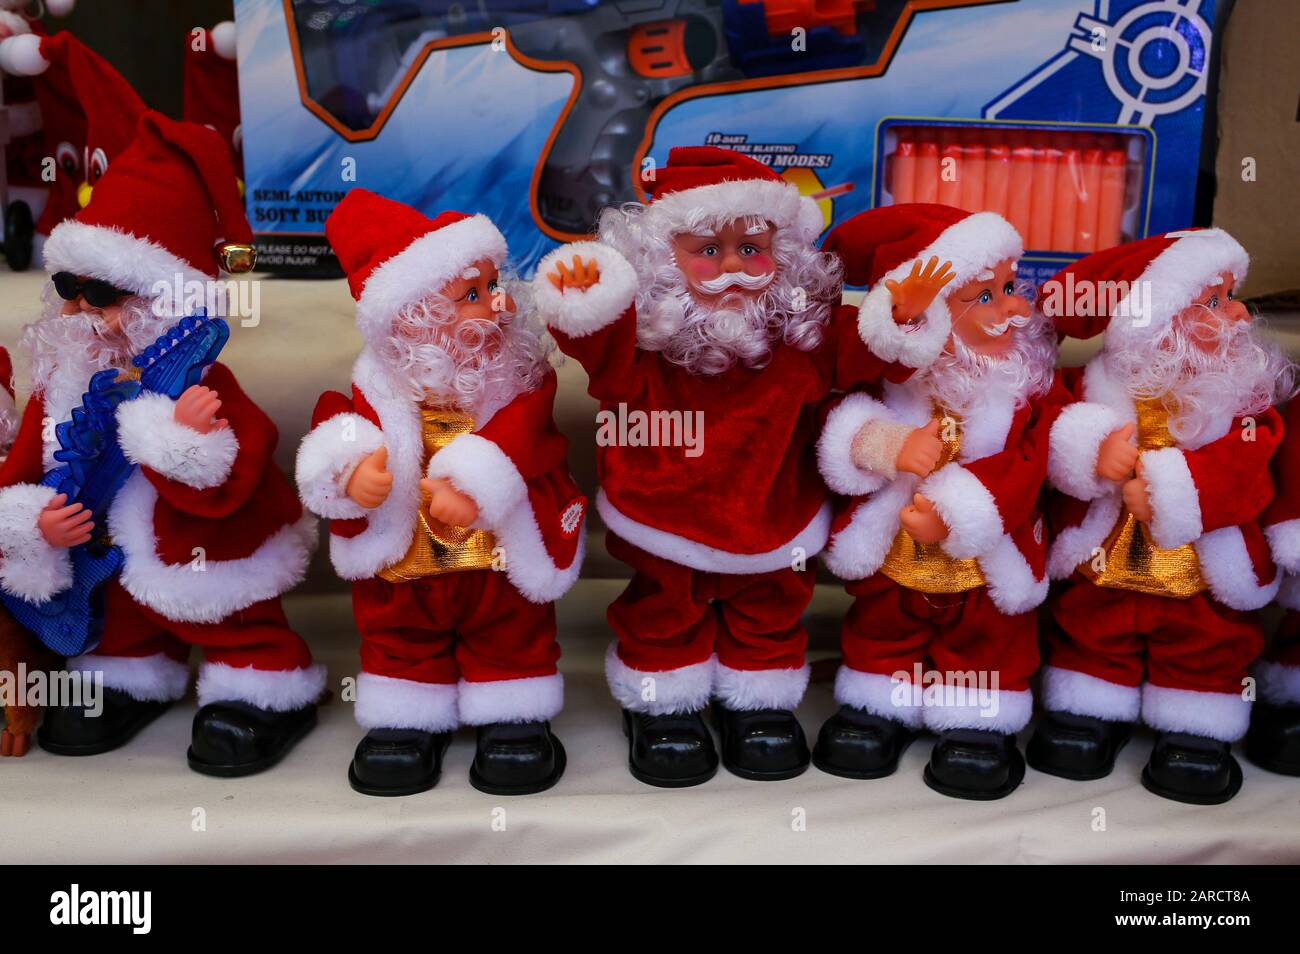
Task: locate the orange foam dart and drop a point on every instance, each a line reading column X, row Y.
column 951, row 168
column 997, row 177
column 1110, row 215
column 927, row 172
column 1020, row 188
column 902, row 180
column 973, row 172
column 1089, row 203
column 1042, row 202
column 1069, row 184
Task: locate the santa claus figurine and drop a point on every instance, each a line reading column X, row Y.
column 1163, row 470
column 939, row 530
column 1273, row 741
column 706, row 323
column 211, row 532
column 210, row 86
column 452, row 510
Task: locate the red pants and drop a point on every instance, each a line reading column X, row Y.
column 250, row 656
column 672, row 621
column 1279, row 671
column 975, row 661
column 457, row 648
column 1180, row 664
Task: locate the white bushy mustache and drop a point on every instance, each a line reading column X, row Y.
column 726, row 280
column 1015, row 321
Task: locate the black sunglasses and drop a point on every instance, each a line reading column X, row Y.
column 98, row 293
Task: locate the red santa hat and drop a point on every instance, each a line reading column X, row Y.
column 1141, row 284
column 705, row 184
column 168, row 206
column 211, row 86
column 883, row 244
column 111, row 106
column 394, row 256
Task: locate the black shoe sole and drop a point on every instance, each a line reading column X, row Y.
column 753, row 776
column 106, row 745
column 426, row 783
column 561, row 761
column 1276, row 766
column 883, row 772
column 220, row 770
column 1187, row 798
column 1013, row 782
column 1103, row 772
column 662, row 781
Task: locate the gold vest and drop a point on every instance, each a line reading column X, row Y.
column 1131, row 559
column 437, row 547
column 925, row 567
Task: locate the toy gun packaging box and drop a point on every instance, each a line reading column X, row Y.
column 1080, row 120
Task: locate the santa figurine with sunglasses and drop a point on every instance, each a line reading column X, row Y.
column 210, row 531
column 939, row 530
column 1162, row 463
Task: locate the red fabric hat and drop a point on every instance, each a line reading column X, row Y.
column 883, row 244
column 164, row 209
column 1143, row 283
column 394, row 255
column 211, row 87
column 708, row 186
column 111, row 106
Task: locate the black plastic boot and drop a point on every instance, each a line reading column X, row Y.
column 857, row 744
column 516, row 758
column 763, row 745
column 231, row 739
column 670, row 751
column 1192, row 769
column 1273, row 742
column 391, row 762
column 71, row 730
column 975, row 764
column 1076, row 747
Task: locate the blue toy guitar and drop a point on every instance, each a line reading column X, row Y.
column 94, row 469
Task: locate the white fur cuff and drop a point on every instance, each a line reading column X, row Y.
column 744, row 690
column 1284, row 542
column 29, row 567
column 1073, row 447
column 327, row 458
column 481, row 470
column 151, row 437
column 835, row 456
column 880, row 695
column 532, row 699
column 156, row 678
column 917, row 345
column 685, row 689
column 1278, row 683
column 968, row 509
column 276, row 690
column 1175, row 504
column 576, row 312
column 1224, row 716
column 1065, row 690
column 992, row 710
column 387, row 703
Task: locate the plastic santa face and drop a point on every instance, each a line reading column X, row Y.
column 110, row 316
column 736, row 259
column 987, row 309
column 1213, row 310
column 477, row 296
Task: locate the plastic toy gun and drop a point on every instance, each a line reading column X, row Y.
column 630, row 56
column 93, row 471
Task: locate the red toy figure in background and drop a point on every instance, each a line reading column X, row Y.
column 211, row 87
column 1273, row 741
column 451, row 506
column 711, row 309
column 205, row 487
column 939, row 530
column 1163, row 469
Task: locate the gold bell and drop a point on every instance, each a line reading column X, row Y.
column 237, row 258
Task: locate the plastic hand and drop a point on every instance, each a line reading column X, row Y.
column 921, row 451
column 371, row 483
column 15, row 744
column 1118, row 454
column 1137, row 497
column 64, row 526
column 578, row 275
column 197, row 408
column 913, row 295
column 448, row 504
column 922, row 521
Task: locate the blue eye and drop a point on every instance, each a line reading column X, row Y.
column 1214, row 301
column 985, row 297
column 748, row 250
column 472, row 295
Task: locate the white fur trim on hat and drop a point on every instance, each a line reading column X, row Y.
column 223, row 39
column 880, row 695
column 835, row 445
column 384, row 702
column 30, row 567
column 685, row 689
column 151, row 437
column 1174, row 278
column 580, row 312
column 279, row 690
column 531, row 699
column 709, row 205
column 1224, row 716
column 1066, row 690
column 744, row 690
column 21, row 55
column 156, row 678
column 131, row 263
column 423, row 268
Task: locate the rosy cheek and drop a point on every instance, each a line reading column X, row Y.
column 761, row 264
column 702, row 267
